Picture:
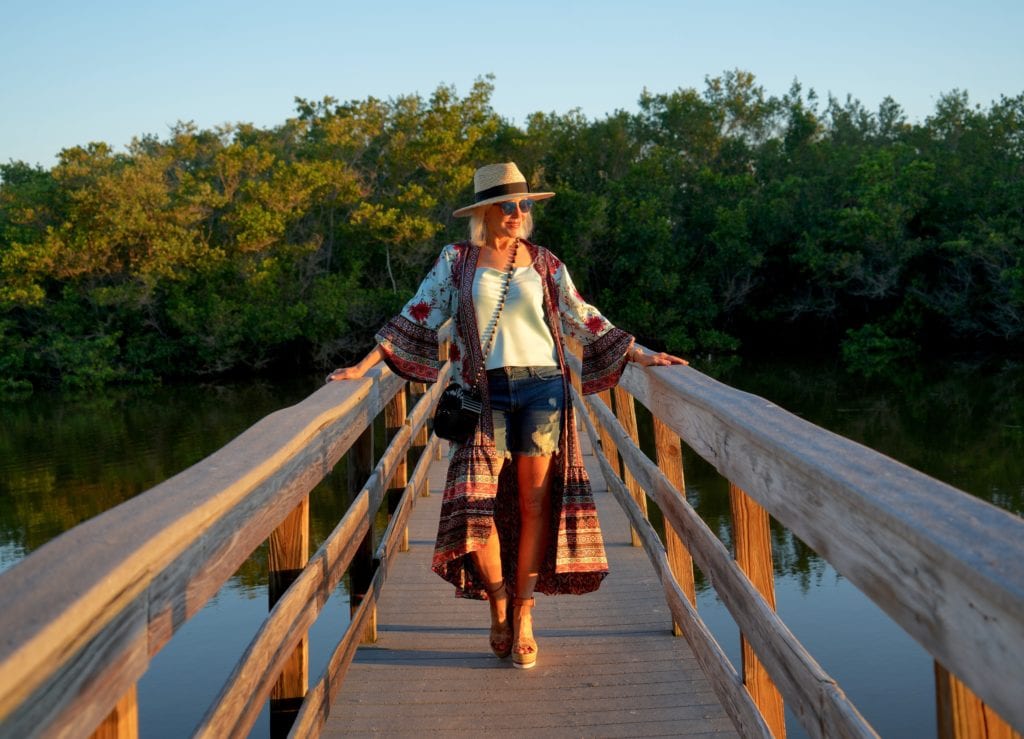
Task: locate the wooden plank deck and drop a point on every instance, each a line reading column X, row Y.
column 608, row 663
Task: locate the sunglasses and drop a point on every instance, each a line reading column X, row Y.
column 509, row 206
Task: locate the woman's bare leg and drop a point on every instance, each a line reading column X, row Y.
column 487, row 560
column 534, row 477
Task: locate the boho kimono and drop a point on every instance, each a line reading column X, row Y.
column 575, row 559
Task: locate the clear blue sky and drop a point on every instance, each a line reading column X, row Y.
column 105, row 70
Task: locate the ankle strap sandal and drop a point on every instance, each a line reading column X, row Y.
column 524, row 649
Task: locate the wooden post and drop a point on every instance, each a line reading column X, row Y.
column 625, row 411
column 287, row 555
column 419, row 389
column 962, row 715
column 606, row 439
column 754, row 556
column 123, row 721
column 669, row 453
column 419, row 442
column 360, row 466
column 609, row 448
column 394, row 417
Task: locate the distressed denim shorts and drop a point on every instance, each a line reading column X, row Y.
column 527, row 403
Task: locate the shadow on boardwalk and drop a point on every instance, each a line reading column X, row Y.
column 608, row 664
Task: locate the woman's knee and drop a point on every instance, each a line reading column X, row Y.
column 533, row 506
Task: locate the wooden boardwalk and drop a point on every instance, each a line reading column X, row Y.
column 608, row 664
column 85, row 614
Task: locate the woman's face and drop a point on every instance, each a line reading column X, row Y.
column 501, row 226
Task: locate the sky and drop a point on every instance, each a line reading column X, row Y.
column 111, row 70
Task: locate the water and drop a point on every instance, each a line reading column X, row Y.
column 66, row 459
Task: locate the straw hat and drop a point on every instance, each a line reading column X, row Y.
column 494, row 183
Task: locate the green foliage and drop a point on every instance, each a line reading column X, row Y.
column 870, row 352
column 705, row 219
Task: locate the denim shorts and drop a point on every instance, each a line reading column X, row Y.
column 527, row 403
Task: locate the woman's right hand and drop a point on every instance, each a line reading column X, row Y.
column 346, row 373
column 357, row 370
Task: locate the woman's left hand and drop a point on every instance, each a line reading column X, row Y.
column 660, row 359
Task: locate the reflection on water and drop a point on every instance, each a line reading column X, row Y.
column 64, row 460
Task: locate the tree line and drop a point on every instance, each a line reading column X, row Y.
column 712, row 220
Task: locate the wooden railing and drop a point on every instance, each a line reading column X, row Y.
column 81, row 618
column 946, row 567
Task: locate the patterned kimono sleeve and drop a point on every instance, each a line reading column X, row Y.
column 409, row 340
column 604, row 346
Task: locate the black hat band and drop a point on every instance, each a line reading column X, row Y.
column 510, row 189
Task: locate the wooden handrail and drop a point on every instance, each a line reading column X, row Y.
column 709, row 654
column 814, row 695
column 247, row 688
column 947, row 567
column 315, row 708
column 83, row 615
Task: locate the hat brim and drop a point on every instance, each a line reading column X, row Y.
column 468, row 210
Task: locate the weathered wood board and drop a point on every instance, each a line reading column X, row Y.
column 608, row 666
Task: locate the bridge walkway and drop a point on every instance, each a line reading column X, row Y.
column 608, row 663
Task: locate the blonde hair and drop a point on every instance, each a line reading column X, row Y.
column 478, row 226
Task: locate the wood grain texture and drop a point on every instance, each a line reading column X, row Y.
column 947, row 567
column 390, row 544
column 729, row 688
column 288, row 550
column 316, row 707
column 608, row 664
column 287, row 554
column 418, row 390
column 962, row 715
column 360, row 465
column 240, row 701
column 812, row 695
column 626, row 413
column 123, row 721
column 394, row 418
column 669, row 456
column 73, row 702
column 167, row 550
column 605, row 396
column 753, row 546
column 162, row 555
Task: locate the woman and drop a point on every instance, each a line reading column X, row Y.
column 517, row 514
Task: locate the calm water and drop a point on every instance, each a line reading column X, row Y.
column 66, row 459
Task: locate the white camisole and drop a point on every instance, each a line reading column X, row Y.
column 523, row 338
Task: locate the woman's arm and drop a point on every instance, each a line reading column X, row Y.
column 408, row 342
column 606, row 349
column 638, row 356
column 358, row 370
